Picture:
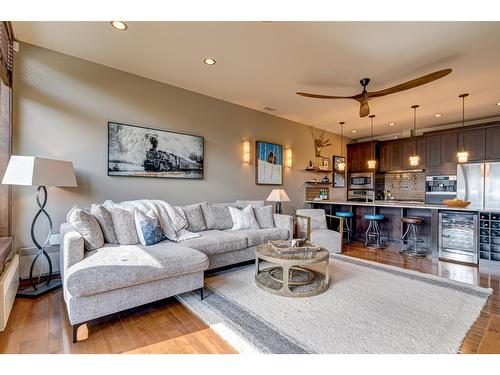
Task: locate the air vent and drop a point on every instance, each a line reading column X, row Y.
column 269, row 109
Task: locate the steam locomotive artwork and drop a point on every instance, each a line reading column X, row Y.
column 144, row 152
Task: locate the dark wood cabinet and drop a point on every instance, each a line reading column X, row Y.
column 492, row 143
column 395, row 155
column 358, row 155
column 449, row 148
column 474, row 142
column 384, row 158
column 433, row 151
column 414, row 146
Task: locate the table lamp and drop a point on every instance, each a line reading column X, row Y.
column 278, row 196
column 41, row 172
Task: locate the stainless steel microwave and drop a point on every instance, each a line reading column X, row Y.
column 361, row 181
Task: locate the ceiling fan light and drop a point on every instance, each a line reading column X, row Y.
column 414, row 160
column 372, row 164
column 462, row 156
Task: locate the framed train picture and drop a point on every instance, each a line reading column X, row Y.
column 269, row 163
column 144, row 152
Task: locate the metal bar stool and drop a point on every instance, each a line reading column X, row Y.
column 345, row 216
column 412, row 243
column 373, row 234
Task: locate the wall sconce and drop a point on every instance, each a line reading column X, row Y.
column 288, row 158
column 246, row 152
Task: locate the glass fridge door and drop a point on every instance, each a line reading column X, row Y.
column 458, row 236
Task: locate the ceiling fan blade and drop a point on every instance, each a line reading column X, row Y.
column 317, row 96
column 364, row 108
column 411, row 84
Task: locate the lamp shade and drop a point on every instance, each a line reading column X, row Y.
column 35, row 171
column 278, row 195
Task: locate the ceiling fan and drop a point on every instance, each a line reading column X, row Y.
column 364, row 109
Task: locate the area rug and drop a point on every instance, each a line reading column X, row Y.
column 368, row 308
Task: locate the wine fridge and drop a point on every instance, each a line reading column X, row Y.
column 458, row 237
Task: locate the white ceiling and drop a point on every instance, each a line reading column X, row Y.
column 263, row 64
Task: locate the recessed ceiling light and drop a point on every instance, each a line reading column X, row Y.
column 438, row 115
column 267, row 21
column 354, row 131
column 498, row 103
column 209, row 61
column 392, row 123
column 119, row 25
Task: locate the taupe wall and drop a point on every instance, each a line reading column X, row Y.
column 61, row 108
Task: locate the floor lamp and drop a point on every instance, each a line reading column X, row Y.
column 40, row 172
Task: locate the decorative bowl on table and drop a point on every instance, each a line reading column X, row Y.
column 455, row 202
column 295, row 246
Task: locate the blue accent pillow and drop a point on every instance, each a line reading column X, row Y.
column 148, row 228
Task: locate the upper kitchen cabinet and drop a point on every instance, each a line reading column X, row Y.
column 441, row 151
column 474, row 142
column 358, row 155
column 492, row 142
column 395, row 155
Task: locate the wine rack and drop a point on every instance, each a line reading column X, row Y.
column 489, row 236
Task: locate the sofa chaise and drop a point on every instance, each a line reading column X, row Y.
column 117, row 277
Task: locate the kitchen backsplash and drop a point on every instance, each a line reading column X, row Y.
column 406, row 186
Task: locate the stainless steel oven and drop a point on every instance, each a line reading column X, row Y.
column 364, row 181
column 361, row 195
column 439, row 188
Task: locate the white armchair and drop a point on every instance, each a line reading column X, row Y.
column 311, row 224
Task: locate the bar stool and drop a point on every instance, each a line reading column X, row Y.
column 345, row 216
column 412, row 242
column 372, row 234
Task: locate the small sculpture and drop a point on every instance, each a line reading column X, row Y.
column 320, row 142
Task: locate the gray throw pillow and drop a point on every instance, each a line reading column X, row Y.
column 124, row 224
column 254, row 204
column 87, row 225
column 105, row 220
column 217, row 216
column 264, row 216
column 194, row 216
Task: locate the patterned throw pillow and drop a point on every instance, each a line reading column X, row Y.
column 243, row 219
column 87, row 225
column 124, row 224
column 217, row 216
column 148, row 228
column 264, row 216
column 194, row 216
column 105, row 220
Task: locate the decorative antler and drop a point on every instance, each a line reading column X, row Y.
column 320, row 142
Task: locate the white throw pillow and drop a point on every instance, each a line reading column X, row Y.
column 243, row 219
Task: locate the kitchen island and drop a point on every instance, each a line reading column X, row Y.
column 392, row 228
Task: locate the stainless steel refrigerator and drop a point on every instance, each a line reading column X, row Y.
column 479, row 183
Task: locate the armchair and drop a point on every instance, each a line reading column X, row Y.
column 311, row 224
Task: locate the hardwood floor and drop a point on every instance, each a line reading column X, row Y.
column 41, row 325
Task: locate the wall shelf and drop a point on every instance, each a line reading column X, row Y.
column 316, row 170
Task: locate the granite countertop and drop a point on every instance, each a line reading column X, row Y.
column 398, row 204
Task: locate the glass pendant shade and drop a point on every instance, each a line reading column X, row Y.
column 463, row 156
column 341, row 165
column 372, row 163
column 415, row 159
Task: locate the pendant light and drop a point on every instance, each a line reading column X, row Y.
column 463, row 155
column 372, row 163
column 415, row 158
column 341, row 165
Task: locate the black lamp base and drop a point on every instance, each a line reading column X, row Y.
column 278, row 208
column 30, row 292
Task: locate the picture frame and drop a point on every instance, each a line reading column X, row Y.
column 138, row 151
column 338, row 175
column 269, row 166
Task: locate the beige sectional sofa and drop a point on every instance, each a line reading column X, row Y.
column 117, row 277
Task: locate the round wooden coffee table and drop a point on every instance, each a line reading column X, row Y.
column 287, row 276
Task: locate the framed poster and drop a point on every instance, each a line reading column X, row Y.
column 269, row 163
column 338, row 174
column 144, row 152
